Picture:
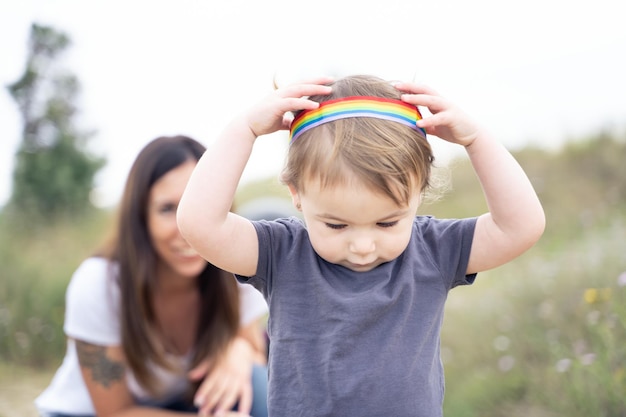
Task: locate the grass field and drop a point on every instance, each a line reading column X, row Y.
column 19, row 386
column 542, row 336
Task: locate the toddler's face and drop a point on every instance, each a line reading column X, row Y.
column 355, row 227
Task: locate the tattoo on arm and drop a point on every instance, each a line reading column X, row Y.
column 103, row 370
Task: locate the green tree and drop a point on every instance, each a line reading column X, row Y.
column 54, row 172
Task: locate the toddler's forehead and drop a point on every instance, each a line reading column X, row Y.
column 340, row 185
column 323, row 180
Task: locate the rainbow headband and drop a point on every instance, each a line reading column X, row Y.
column 357, row 106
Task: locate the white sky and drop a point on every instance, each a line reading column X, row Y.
column 537, row 71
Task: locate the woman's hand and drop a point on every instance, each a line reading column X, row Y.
column 272, row 114
column 227, row 380
column 447, row 122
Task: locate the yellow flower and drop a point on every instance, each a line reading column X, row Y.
column 596, row 295
column 591, row 295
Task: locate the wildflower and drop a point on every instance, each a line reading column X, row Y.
column 563, row 365
column 501, row 343
column 590, row 295
column 596, row 295
column 621, row 279
column 588, row 358
column 506, row 363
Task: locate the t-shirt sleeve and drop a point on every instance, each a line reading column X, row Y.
column 276, row 239
column 257, row 281
column 91, row 304
column 252, row 305
column 449, row 241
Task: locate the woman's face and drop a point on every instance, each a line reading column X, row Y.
column 176, row 256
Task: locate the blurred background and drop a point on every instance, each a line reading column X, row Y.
column 87, row 84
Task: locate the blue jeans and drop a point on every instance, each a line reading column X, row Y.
column 259, row 400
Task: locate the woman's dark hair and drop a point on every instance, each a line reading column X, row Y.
column 131, row 251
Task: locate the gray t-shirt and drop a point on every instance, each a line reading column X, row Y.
column 345, row 343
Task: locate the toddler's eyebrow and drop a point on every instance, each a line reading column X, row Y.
column 395, row 214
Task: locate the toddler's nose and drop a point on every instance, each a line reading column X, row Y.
column 362, row 245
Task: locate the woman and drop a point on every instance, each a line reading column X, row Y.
column 150, row 324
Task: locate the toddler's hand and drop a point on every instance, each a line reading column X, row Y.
column 447, row 121
column 272, row 114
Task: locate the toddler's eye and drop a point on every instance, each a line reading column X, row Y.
column 335, row 226
column 387, row 224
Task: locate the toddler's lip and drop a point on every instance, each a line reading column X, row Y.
column 361, row 267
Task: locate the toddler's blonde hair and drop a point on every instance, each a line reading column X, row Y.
column 383, row 155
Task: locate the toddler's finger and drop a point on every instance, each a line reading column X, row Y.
column 435, row 104
column 412, row 88
column 304, row 90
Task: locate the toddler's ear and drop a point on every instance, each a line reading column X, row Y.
column 295, row 197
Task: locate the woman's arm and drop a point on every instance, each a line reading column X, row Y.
column 104, row 372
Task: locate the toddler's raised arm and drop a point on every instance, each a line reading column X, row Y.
column 515, row 220
column 223, row 238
